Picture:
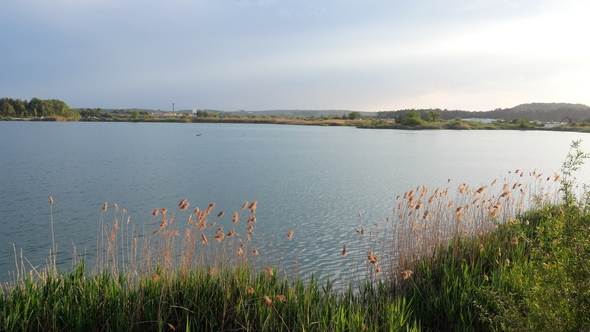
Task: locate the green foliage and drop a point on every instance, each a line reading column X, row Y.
column 411, row 118
column 229, row 299
column 36, row 108
column 354, row 115
column 431, row 116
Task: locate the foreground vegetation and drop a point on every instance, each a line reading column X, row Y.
column 460, row 259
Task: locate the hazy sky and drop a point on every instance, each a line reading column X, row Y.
column 366, row 55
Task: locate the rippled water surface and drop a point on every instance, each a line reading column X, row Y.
column 312, row 180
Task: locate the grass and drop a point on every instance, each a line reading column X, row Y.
column 512, row 255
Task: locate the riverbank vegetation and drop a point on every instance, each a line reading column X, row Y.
column 49, row 109
column 535, row 116
column 510, row 255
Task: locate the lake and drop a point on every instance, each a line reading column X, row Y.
column 312, row 180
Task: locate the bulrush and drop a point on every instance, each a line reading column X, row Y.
column 211, row 206
column 269, row 271
column 252, row 207
column 218, row 237
column 407, row 274
column 372, row 257
column 184, row 206
column 481, row 190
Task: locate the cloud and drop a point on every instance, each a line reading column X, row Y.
column 234, row 54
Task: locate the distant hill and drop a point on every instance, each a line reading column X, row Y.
column 544, row 112
column 549, row 107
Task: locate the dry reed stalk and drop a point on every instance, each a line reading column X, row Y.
column 406, row 274
column 184, row 206
column 211, row 206
column 269, row 271
column 218, row 237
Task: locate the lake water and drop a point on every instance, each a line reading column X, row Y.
column 312, row 180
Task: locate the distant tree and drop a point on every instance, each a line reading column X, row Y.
column 431, row 116
column 135, row 114
column 6, row 109
column 411, row 118
column 354, row 115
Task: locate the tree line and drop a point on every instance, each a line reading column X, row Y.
column 535, row 111
column 19, row 108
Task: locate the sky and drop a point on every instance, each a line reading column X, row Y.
column 253, row 55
